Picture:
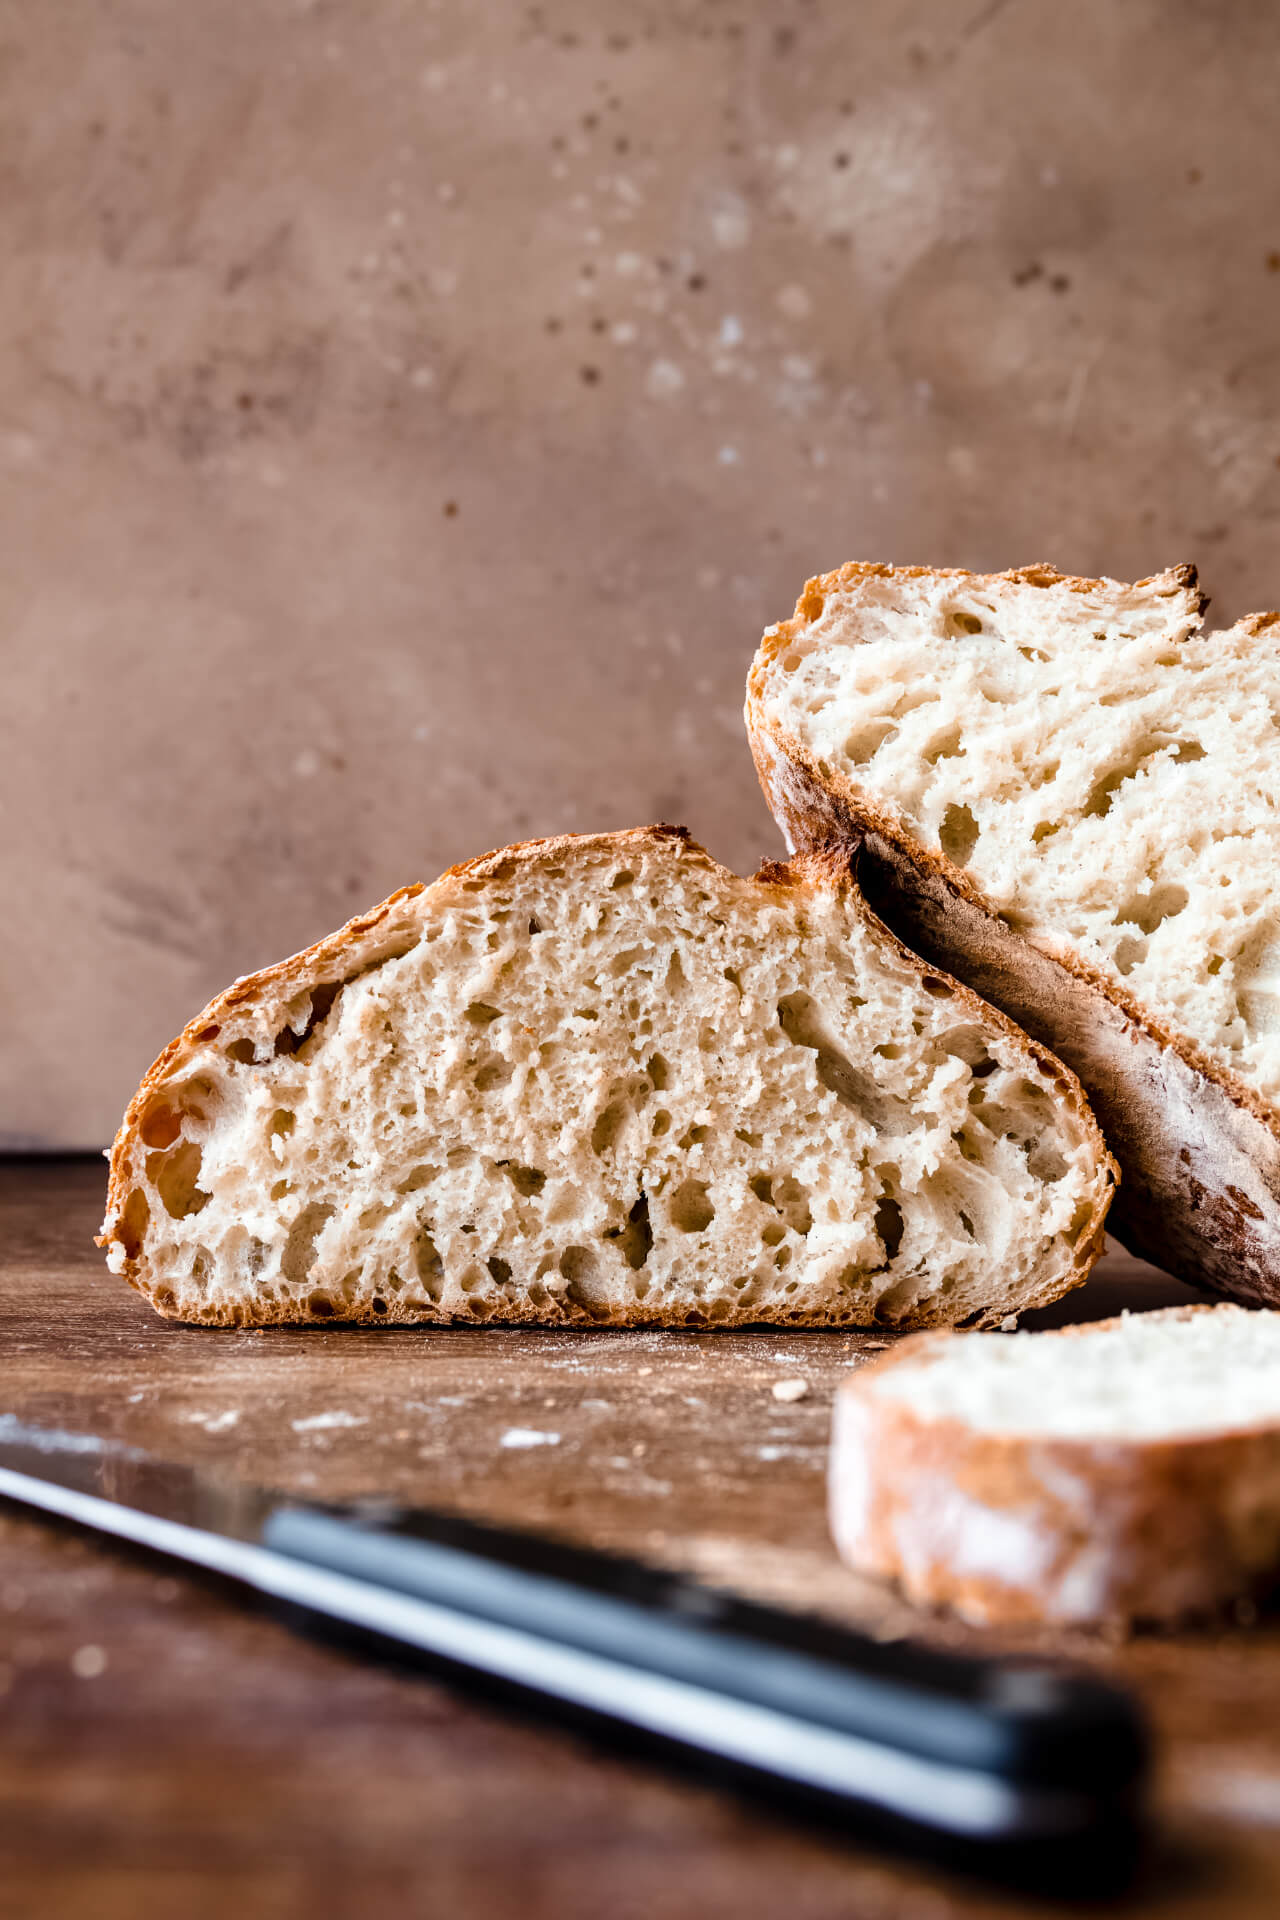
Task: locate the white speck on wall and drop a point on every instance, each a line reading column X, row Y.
column 663, row 379
column 731, row 224
column 798, row 366
column 730, row 334
column 325, row 1422
column 708, row 578
column 962, row 462
column 88, row 1662
column 422, row 378
column 395, row 216
column 771, row 1453
column 435, row 78
column 728, row 456
column 528, row 1437
column 446, row 193
column 628, row 264
column 785, row 158
column 443, row 281
column 789, row 1390
column 622, row 333
column 794, row 302
column 306, row 763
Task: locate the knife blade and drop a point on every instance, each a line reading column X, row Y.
column 1023, row 1760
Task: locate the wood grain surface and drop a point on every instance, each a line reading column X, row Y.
column 167, row 1750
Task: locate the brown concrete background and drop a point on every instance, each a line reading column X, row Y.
column 410, row 413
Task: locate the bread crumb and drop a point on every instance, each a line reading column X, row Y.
column 88, row 1662
column 789, row 1389
column 1009, row 1324
column 528, row 1437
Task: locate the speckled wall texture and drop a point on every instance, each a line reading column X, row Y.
column 410, row 414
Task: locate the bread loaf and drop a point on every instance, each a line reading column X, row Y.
column 601, row 1080
column 1120, row 1471
column 1069, row 795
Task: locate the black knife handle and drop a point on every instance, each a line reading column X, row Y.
column 988, row 1751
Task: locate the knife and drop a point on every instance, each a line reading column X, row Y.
column 1020, row 1764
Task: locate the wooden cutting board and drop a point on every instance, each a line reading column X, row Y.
column 164, row 1749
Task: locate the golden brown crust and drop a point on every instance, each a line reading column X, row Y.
column 374, row 934
column 1185, row 1202
column 1011, row 1529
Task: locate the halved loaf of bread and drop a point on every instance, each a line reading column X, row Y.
column 601, row 1079
column 1124, row 1470
column 1069, row 795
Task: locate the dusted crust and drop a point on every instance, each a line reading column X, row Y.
column 1199, row 1148
column 1011, row 1529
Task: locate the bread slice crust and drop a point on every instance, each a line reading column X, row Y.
column 153, row 1123
column 1198, row 1146
column 1014, row 1529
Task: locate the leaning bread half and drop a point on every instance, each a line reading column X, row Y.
column 601, row 1079
column 1069, row 795
column 1121, row 1471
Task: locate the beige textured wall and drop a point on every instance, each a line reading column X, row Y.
column 410, row 413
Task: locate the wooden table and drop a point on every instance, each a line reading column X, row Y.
column 165, row 1750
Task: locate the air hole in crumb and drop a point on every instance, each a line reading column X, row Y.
column 133, row 1223
column 1150, row 911
column 176, row 1176
column 936, row 989
column 417, row 1177
column 889, row 1051
column 958, row 834
column 243, row 1051
column 494, row 1073
column 283, row 1122
column 634, row 1241
column 379, row 1304
column 693, row 1137
column 965, row 622
column 609, row 1126
column 945, row 746
column 585, row 1288
column 1043, row 829
column 747, row 1139
column 300, row 1248
column 279, row 1189
column 658, row 1071
column 966, row 1222
column 774, row 1234
column 1216, row 963
column 1130, row 953
column 691, row 1208
column 478, row 1014
column 1032, row 653
column 865, row 743
column 321, row 1307
column 661, row 1121
column 160, row 1128
column 889, row 1225
column 322, row 1001
column 535, row 925
column 426, row 1259
column 500, row 1269
column 623, row 879
column 528, row 1181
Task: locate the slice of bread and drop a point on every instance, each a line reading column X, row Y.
column 1120, row 1471
column 1069, row 795
column 601, row 1079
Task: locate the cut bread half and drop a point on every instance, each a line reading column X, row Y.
column 1069, row 795
column 601, row 1079
column 1122, row 1471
